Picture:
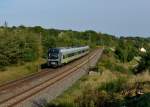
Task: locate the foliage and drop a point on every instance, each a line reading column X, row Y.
column 144, row 63
column 60, row 105
column 138, row 101
column 125, row 51
column 18, row 47
column 94, row 98
column 114, row 86
column 112, row 66
column 109, row 62
column 25, row 44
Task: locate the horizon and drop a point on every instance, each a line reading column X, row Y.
column 78, row 31
column 118, row 18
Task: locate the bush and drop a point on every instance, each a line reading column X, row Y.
column 138, row 101
column 94, row 98
column 112, row 66
column 144, row 64
column 107, row 51
column 60, row 105
column 114, row 86
column 119, row 68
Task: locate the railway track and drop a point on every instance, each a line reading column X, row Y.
column 22, row 96
column 40, row 74
column 24, row 79
column 37, row 75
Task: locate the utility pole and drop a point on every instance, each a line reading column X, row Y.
column 89, row 50
column 102, row 42
column 5, row 27
column 5, row 24
column 40, row 51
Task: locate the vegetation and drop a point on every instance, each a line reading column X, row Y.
column 23, row 49
column 26, row 44
column 18, row 49
column 111, row 87
column 125, row 51
column 29, row 45
column 144, row 63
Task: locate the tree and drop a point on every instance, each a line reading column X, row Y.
column 125, row 51
column 17, row 47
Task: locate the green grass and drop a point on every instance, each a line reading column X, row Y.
column 18, row 71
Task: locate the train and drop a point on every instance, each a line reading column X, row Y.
column 60, row 56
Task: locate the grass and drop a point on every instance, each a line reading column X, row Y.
column 70, row 94
column 77, row 89
column 19, row 71
column 116, row 85
column 109, row 86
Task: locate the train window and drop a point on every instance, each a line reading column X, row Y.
column 71, row 54
column 53, row 56
column 53, row 50
column 68, row 55
column 77, row 53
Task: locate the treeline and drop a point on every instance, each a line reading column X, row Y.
column 18, row 46
column 24, row 44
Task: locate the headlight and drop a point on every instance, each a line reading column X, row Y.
column 53, row 63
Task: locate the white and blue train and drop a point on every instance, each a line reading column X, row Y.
column 60, row 56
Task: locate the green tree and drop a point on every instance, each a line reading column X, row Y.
column 125, row 51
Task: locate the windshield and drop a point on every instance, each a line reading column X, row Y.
column 53, row 53
column 53, row 56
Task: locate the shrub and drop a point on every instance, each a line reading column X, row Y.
column 119, row 68
column 144, row 64
column 114, row 86
column 94, row 98
column 112, row 66
column 138, row 101
column 60, row 105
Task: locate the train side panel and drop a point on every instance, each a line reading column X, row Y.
column 69, row 59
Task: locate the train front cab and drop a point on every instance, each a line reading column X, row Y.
column 53, row 57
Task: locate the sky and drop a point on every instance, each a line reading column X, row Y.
column 116, row 17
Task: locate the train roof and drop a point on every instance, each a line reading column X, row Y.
column 70, row 49
column 73, row 49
